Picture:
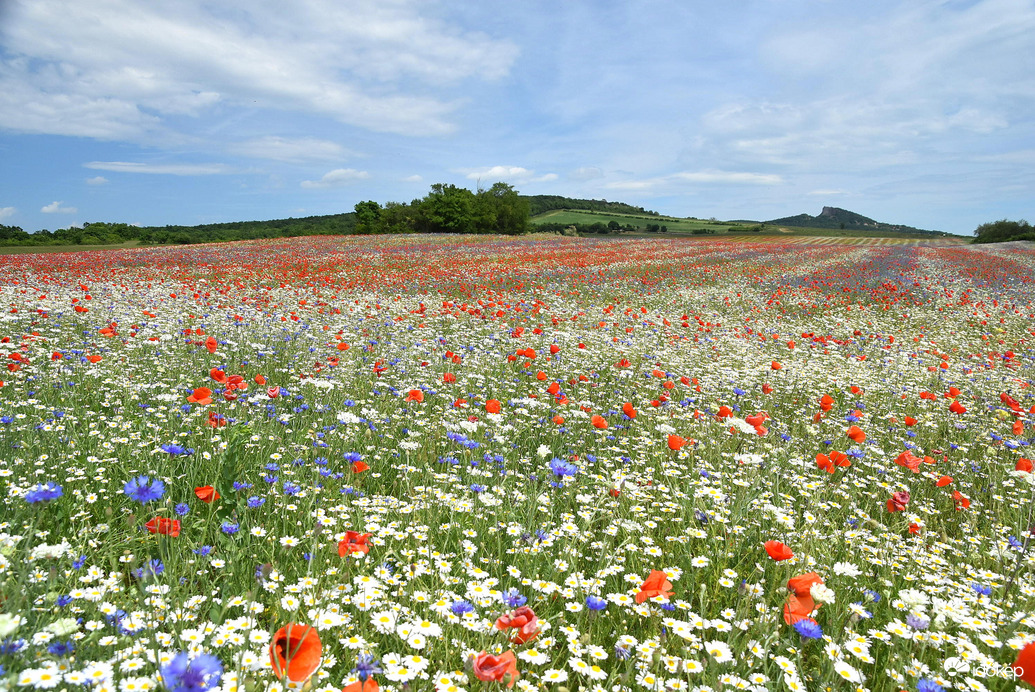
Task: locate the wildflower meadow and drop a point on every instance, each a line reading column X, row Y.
column 479, row 463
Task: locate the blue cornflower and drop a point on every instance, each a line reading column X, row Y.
column 981, row 589
column 808, row 629
column 64, row 600
column 917, row 622
column 353, row 457
column 229, row 528
column 173, row 449
column 513, row 598
column 595, row 603
column 291, row 488
column 461, row 607
column 366, row 667
column 477, row 488
column 80, row 561
column 872, row 595
column 926, row 685
column 241, row 486
column 61, row 648
column 256, row 501
column 184, row 674
column 203, row 550
column 144, row 490
column 562, row 468
column 44, row 493
column 182, row 509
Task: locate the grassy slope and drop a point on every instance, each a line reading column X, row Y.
column 677, row 226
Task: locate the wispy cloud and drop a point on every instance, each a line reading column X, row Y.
column 6, row 212
column 159, row 168
column 290, row 150
column 97, row 180
column 336, row 178
column 56, row 208
column 674, row 181
column 128, row 71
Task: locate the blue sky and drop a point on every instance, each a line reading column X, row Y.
column 189, row 111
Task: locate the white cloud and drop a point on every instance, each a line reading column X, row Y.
column 6, row 212
column 513, row 174
column 97, row 180
column 586, row 173
column 297, row 150
column 336, row 178
column 159, row 168
column 676, row 181
column 413, row 179
column 499, row 173
column 122, row 70
column 827, row 193
column 56, row 208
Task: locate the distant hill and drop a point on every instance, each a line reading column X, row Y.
column 833, row 217
column 539, row 204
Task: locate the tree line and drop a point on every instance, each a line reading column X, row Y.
column 445, row 209
column 1004, row 230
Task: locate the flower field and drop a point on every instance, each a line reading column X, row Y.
column 441, row 463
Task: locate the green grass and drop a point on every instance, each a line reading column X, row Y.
column 34, row 249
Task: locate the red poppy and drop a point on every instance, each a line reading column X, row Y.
column 415, row 395
column 957, row 408
column 675, row 442
column 201, row 396
column 273, row 392
column 910, row 461
column 776, row 366
column 94, row 359
column 914, row 528
column 164, row 526
column 960, row 500
column 492, row 406
column 211, row 344
column 295, row 652
column 354, row 542
column 1024, row 666
column 260, row 380
column 217, row 375
column 767, row 388
column 215, row 420
column 944, row 481
column 627, row 409
column 724, row 412
column 449, row 378
column 368, row 685
column 1025, row 465
column 778, row 551
column 898, row 501
column 489, row 668
column 206, row 494
column 656, row 584
column 800, row 604
column 856, row 434
column 359, row 466
column 910, row 421
column 598, row 421
column 524, row 620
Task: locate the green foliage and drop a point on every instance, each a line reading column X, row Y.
column 368, row 216
column 1004, row 230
